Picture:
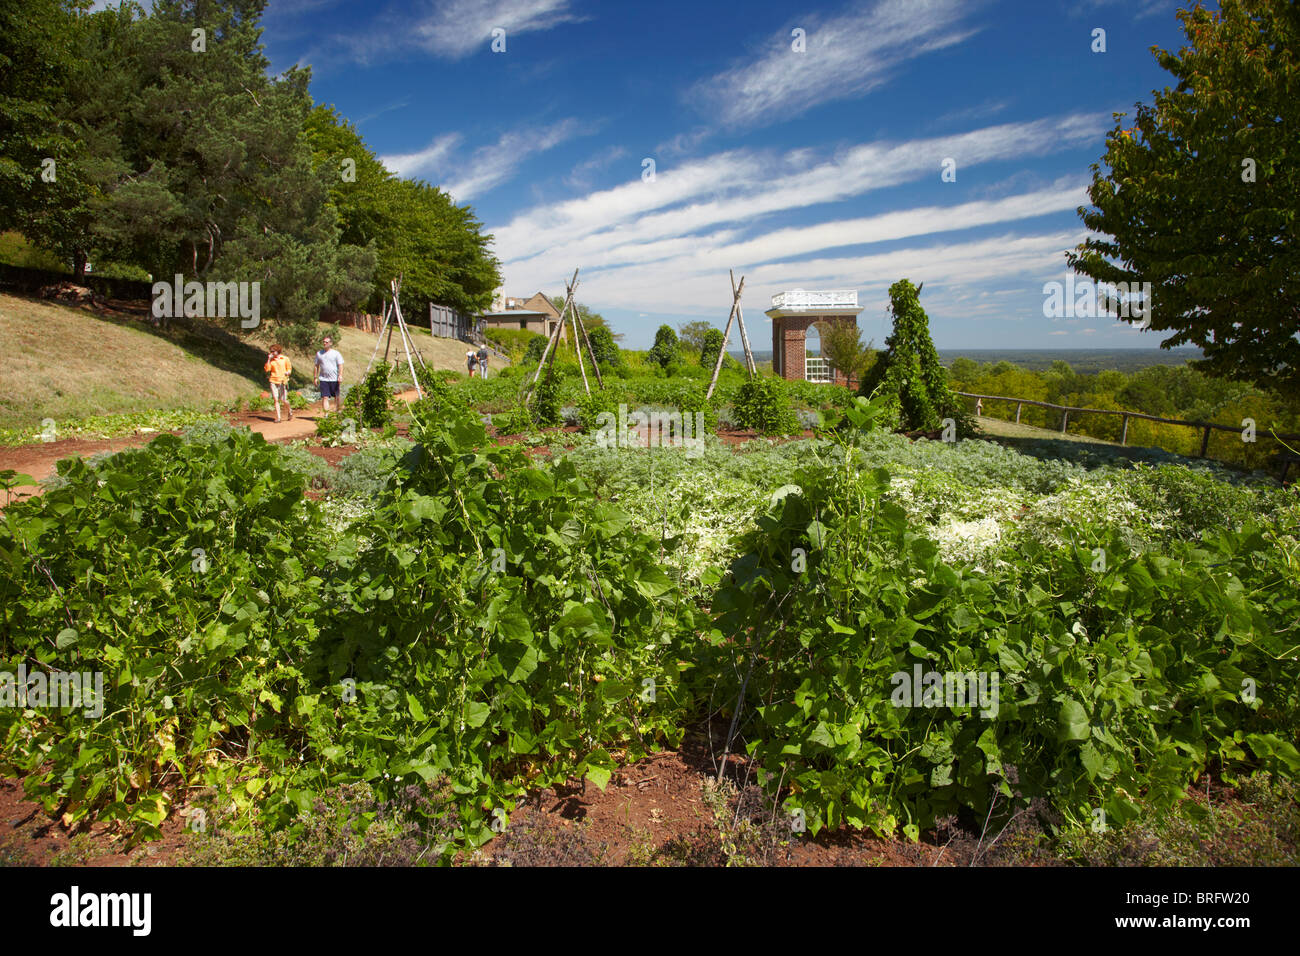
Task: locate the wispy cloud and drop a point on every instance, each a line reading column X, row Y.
column 427, row 161
column 490, row 166
column 581, row 176
column 457, row 28
column 452, row 29
column 844, row 56
column 740, row 187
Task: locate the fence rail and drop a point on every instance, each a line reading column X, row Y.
column 1066, row 409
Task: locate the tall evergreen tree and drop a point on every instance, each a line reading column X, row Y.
column 909, row 375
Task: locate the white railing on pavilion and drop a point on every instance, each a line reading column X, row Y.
column 818, row 369
column 802, row 299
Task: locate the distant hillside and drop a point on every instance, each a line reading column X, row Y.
column 1038, row 360
column 1080, row 360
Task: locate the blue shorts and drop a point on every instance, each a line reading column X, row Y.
column 329, row 389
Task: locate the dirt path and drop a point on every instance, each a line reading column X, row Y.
column 39, row 459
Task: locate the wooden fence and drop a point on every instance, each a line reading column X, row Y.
column 1065, row 411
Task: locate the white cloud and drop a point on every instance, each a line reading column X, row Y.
column 844, row 56
column 741, row 186
column 425, row 161
column 580, row 177
column 490, row 166
column 452, row 29
column 457, row 28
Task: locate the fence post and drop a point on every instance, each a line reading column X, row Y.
column 1205, row 441
column 1065, row 417
column 1019, row 405
column 1123, row 438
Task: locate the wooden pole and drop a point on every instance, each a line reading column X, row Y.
column 577, row 348
column 1205, row 441
column 555, row 336
column 1019, row 405
column 1123, row 438
column 735, row 303
column 379, row 338
column 740, row 320
column 406, row 337
column 590, row 351
column 1065, row 417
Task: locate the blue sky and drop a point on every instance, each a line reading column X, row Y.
column 818, row 169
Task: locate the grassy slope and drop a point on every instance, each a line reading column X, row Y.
column 64, row 363
column 1003, row 429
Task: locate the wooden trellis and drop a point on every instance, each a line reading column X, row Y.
column 739, row 316
column 580, row 338
column 393, row 319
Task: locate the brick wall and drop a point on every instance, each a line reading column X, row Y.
column 788, row 335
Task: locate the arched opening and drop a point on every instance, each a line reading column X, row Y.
column 816, row 366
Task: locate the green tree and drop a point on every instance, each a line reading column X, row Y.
column 665, row 349
column 533, row 354
column 909, row 374
column 691, row 335
column 842, row 344
column 604, row 347
column 710, row 348
column 1202, row 193
column 591, row 319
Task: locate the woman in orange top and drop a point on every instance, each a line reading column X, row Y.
column 277, row 363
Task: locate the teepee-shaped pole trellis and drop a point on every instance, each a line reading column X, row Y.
column 569, row 314
column 393, row 318
column 736, row 292
column 548, row 354
column 577, row 346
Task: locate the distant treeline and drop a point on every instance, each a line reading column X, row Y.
column 1081, row 360
column 1166, row 391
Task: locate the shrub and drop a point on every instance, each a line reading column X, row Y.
column 336, row 429
column 368, row 400
column 665, row 350
column 713, row 343
column 546, row 401
column 763, row 405
column 605, row 348
column 367, row 471
column 533, row 353
column 516, row 421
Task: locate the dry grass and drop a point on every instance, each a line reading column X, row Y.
column 66, row 363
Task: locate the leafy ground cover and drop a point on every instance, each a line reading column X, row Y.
column 451, row 616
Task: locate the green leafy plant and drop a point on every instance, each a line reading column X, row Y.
column 763, row 405
column 336, row 428
column 369, row 399
column 546, row 400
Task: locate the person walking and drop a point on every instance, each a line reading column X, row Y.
column 471, row 360
column 280, row 368
column 482, row 360
column 329, row 373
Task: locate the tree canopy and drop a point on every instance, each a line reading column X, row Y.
column 1202, row 192
column 176, row 152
